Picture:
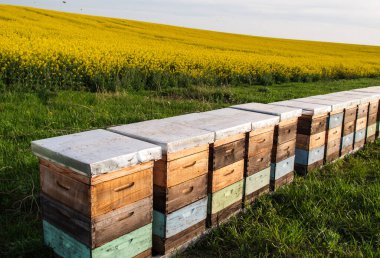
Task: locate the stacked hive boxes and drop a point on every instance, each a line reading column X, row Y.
column 311, row 134
column 282, row 163
column 180, row 180
column 377, row 91
column 97, row 194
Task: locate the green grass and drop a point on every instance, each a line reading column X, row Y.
column 335, row 211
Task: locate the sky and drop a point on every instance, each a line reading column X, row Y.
column 347, row 21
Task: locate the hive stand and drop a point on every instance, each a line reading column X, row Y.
column 377, row 91
column 311, row 134
column 97, row 194
column 179, row 180
column 282, row 164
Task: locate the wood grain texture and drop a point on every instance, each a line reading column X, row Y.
column 334, row 134
column 348, row 128
column 333, row 146
column 230, row 139
column 227, row 154
column 282, row 168
column 261, row 131
column 167, row 200
column 372, row 119
column 308, row 142
column 361, row 123
column 359, row 136
column 284, row 180
column 257, row 181
column 350, row 114
column 285, row 132
column 226, row 176
column 186, row 152
column 305, row 157
column 335, row 120
column 261, row 143
column 252, row 197
column 283, row 151
column 166, row 226
column 371, row 130
column 223, row 215
column 309, row 125
column 220, row 200
column 373, row 107
column 304, row 169
column 171, row 173
column 259, row 162
column 145, row 254
column 163, row 246
column 362, row 110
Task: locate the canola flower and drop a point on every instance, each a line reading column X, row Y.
column 71, row 51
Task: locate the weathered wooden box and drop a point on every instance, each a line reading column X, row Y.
column 96, row 188
column 181, row 177
column 311, row 134
column 282, row 165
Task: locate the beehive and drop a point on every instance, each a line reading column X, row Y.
column 180, row 180
column 97, row 194
column 311, row 134
column 282, row 166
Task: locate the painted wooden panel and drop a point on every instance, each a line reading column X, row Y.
column 348, row 140
column 225, row 197
column 361, row 123
column 226, row 176
column 128, row 245
column 167, row 200
column 261, row 143
column 258, row 162
column 350, row 114
column 362, row 110
column 171, row 173
column 282, row 168
column 283, row 151
column 166, row 226
column 349, row 128
column 257, row 181
column 372, row 119
column 334, row 133
column 228, row 153
column 360, row 135
column 371, row 130
column 305, row 157
column 96, row 152
column 285, row 133
column 307, row 142
column 336, row 120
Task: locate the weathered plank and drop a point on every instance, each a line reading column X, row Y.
column 373, row 107
column 308, row 142
column 283, row 151
column 360, row 135
column 284, row 180
column 226, row 176
column 361, row 123
column 362, row 110
column 167, row 200
column 223, row 215
column 347, row 144
column 225, row 197
column 228, row 153
column 171, row 173
column 348, row 128
column 304, row 157
column 258, row 162
column 282, row 168
column 336, row 120
column 309, row 125
column 304, row 169
column 166, row 226
column 333, row 147
column 252, row 197
column 372, row 119
column 260, row 143
column 371, row 130
column 285, row 133
column 257, row 181
column 334, row 134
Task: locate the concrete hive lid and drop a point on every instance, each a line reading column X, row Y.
column 363, row 97
column 285, row 113
column 375, row 89
column 308, row 108
column 343, row 98
column 334, row 104
column 95, row 152
column 373, row 96
column 170, row 136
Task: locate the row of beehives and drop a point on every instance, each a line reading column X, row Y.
column 158, row 184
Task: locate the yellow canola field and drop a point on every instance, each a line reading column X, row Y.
column 39, row 47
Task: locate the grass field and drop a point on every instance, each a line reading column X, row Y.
column 335, row 212
column 47, row 49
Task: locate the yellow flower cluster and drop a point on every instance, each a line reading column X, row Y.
column 69, row 50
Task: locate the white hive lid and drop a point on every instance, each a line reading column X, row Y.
column 334, row 104
column 171, row 137
column 375, row 89
column 363, row 97
column 95, row 152
column 372, row 96
column 285, row 113
column 308, row 108
column 353, row 101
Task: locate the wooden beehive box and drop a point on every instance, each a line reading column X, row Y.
column 180, row 178
column 96, row 192
column 284, row 140
column 311, row 134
